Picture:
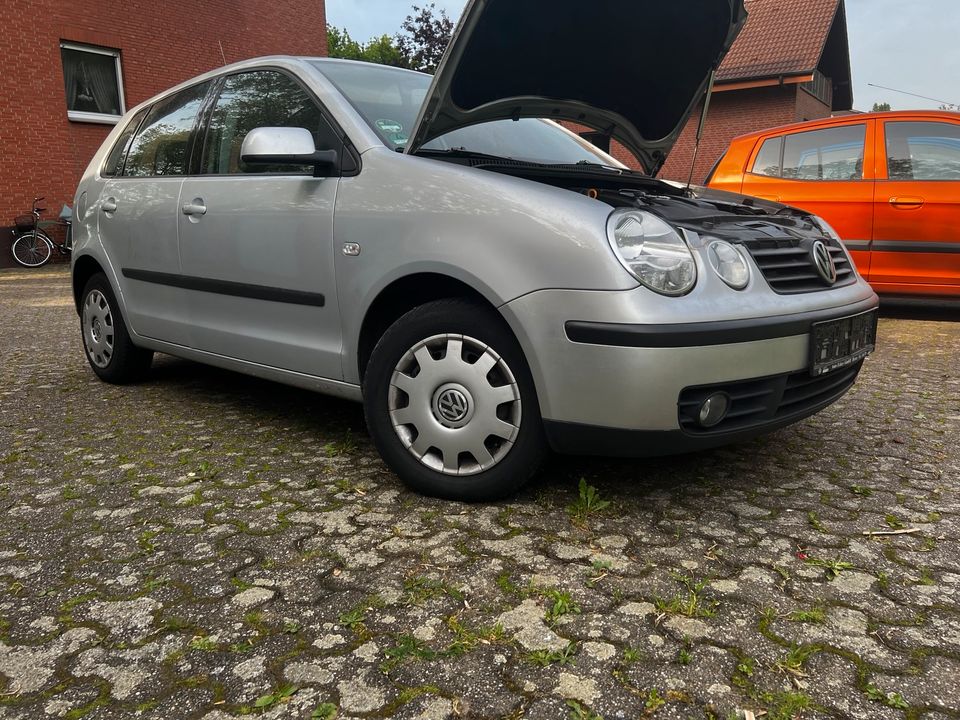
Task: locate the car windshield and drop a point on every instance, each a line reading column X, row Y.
column 389, row 99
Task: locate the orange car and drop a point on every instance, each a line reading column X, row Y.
column 889, row 183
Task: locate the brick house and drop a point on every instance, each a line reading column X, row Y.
column 791, row 63
column 72, row 68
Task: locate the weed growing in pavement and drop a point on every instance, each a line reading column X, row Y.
column 203, row 644
column 588, row 503
column 692, row 603
column 324, row 711
column 581, row 712
column 561, row 604
column 345, row 445
column 653, row 701
column 785, row 705
column 814, row 615
column 280, row 695
column 419, row 590
column 833, row 567
column 890, row 699
column 796, row 658
column 893, row 521
column 545, row 658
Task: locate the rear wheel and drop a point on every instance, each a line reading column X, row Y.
column 111, row 354
column 451, row 405
column 32, row 249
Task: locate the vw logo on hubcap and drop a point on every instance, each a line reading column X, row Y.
column 453, row 405
column 824, row 262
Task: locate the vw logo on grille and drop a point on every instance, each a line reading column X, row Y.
column 453, row 405
column 824, row 262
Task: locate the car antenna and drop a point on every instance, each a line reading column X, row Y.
column 703, row 122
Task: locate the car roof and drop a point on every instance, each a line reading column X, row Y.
column 853, row 120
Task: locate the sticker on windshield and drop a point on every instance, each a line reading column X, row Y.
column 393, row 131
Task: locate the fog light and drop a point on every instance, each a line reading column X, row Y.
column 714, row 410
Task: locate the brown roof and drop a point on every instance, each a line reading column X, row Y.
column 781, row 37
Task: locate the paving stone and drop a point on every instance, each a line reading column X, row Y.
column 180, row 548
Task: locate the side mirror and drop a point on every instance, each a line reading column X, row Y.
column 286, row 146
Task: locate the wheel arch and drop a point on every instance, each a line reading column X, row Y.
column 84, row 268
column 404, row 294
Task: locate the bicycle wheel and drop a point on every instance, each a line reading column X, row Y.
column 32, row 249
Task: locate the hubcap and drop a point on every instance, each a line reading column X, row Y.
column 455, row 405
column 98, row 330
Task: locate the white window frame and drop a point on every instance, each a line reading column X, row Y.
column 100, row 118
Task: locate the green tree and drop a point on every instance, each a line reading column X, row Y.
column 426, row 34
column 881, row 107
column 382, row 50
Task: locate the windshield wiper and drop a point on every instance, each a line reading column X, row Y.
column 462, row 152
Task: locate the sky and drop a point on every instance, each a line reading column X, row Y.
column 912, row 46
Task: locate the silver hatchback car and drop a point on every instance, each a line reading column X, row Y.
column 488, row 283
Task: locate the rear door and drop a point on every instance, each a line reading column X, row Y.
column 256, row 242
column 138, row 215
column 824, row 172
column 916, row 246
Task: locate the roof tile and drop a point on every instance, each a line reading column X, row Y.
column 781, row 37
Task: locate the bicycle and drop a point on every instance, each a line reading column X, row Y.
column 32, row 246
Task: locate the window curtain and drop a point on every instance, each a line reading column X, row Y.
column 102, row 82
column 71, row 76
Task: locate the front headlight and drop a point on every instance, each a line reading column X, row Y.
column 729, row 264
column 653, row 252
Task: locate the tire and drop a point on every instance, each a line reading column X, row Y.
column 455, row 425
column 32, row 249
column 106, row 342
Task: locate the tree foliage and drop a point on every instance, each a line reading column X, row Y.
column 426, row 34
column 881, row 107
column 420, row 45
column 381, row 50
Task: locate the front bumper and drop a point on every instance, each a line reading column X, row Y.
column 615, row 388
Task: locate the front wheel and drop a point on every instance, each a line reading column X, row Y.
column 32, row 249
column 111, row 354
column 451, row 405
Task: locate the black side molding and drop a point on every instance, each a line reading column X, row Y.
column 915, row 247
column 225, row 287
column 726, row 332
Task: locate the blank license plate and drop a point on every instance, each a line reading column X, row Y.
column 837, row 344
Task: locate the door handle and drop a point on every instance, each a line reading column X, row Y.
column 907, row 203
column 195, row 208
column 109, row 205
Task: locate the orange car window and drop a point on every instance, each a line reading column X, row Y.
column 923, row 151
column 831, row 154
column 769, row 158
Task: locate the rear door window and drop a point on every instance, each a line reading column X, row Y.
column 161, row 146
column 923, row 151
column 818, row 155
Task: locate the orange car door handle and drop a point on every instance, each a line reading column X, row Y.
column 907, row 203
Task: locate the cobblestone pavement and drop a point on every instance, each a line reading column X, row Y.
column 206, row 545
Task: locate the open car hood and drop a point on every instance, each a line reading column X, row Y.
column 632, row 69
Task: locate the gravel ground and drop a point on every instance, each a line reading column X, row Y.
column 206, row 545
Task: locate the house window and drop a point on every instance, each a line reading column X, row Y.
column 93, row 83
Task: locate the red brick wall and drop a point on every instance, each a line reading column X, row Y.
column 731, row 114
column 160, row 43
